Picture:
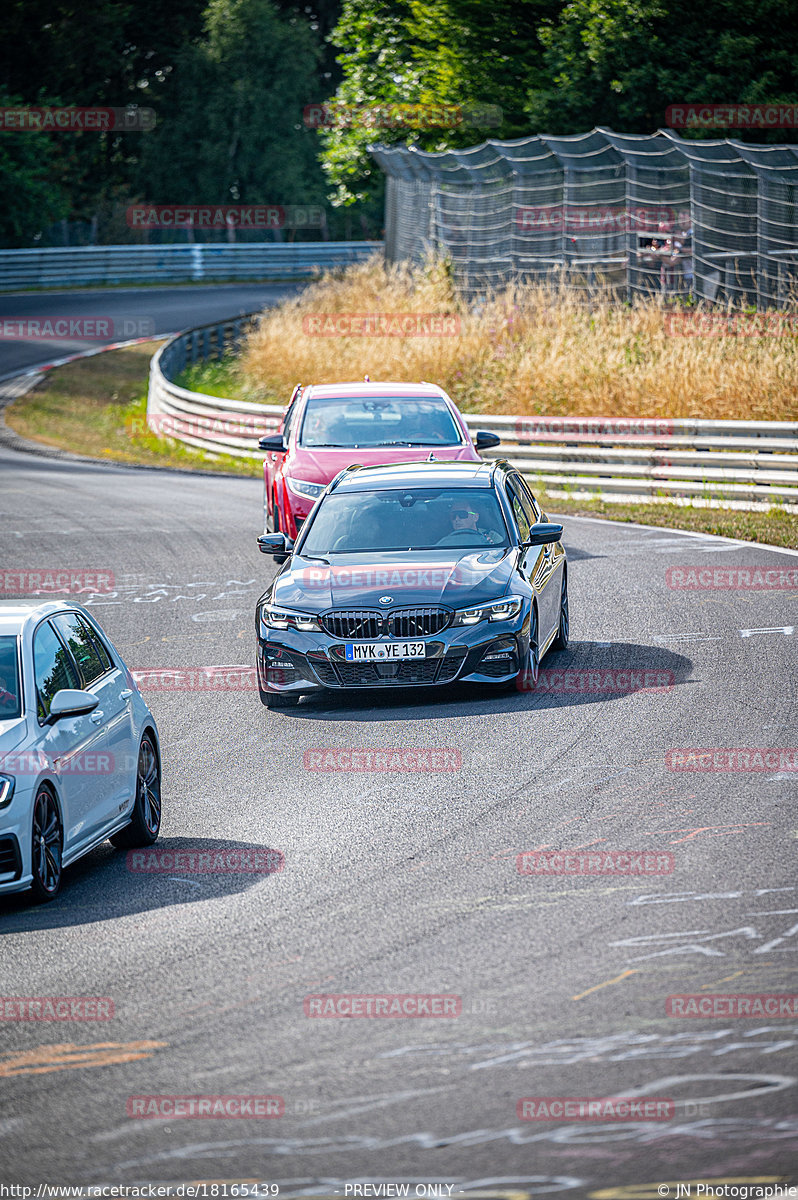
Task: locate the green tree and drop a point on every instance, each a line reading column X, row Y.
column 232, row 128
column 116, row 54
column 471, row 56
column 470, row 52
column 32, row 198
column 623, row 62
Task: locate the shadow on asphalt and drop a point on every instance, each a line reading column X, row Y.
column 575, row 555
column 109, row 883
column 455, row 701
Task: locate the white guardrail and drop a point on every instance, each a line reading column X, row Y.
column 197, row 263
column 721, row 464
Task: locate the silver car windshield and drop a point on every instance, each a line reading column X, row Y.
column 415, row 519
column 379, row 421
column 10, row 692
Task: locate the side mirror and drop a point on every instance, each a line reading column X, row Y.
column 70, row 702
column 273, row 441
column 485, row 440
column 543, row 534
column 277, row 544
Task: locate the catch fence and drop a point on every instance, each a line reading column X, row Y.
column 640, row 214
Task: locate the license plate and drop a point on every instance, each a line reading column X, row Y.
column 384, row 651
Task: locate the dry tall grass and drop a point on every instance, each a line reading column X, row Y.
column 531, row 350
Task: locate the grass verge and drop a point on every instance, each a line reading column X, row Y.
column 97, row 407
column 532, row 350
column 775, row 527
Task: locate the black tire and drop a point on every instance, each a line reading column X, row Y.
column 563, row 630
column 145, row 823
column 47, row 847
column 527, row 677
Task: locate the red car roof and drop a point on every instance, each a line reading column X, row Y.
column 331, row 391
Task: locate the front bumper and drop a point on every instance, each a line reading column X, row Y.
column 15, row 837
column 300, row 663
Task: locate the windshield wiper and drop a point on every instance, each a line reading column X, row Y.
column 316, row 558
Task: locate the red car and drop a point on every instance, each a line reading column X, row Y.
column 328, row 427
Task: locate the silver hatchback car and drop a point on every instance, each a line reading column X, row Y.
column 79, row 750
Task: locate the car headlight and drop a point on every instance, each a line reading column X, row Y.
column 302, row 487
column 288, row 618
column 6, row 790
column 496, row 610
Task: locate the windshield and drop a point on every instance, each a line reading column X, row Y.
column 416, row 519
column 379, row 421
column 10, row 698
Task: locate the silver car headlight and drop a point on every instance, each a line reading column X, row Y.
column 496, row 610
column 303, row 487
column 6, row 789
column 288, row 618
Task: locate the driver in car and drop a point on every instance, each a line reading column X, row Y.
column 465, row 529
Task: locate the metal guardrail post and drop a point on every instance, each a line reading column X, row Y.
column 80, row 265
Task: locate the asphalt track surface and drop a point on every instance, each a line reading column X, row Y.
column 407, row 883
column 125, row 313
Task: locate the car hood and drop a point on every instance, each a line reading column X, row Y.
column 455, row 578
column 321, row 466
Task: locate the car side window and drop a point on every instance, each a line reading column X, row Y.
column 521, row 519
column 102, row 649
column 53, row 669
column 528, row 500
column 77, row 636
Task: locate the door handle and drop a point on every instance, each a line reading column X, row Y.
column 126, row 694
column 96, row 717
